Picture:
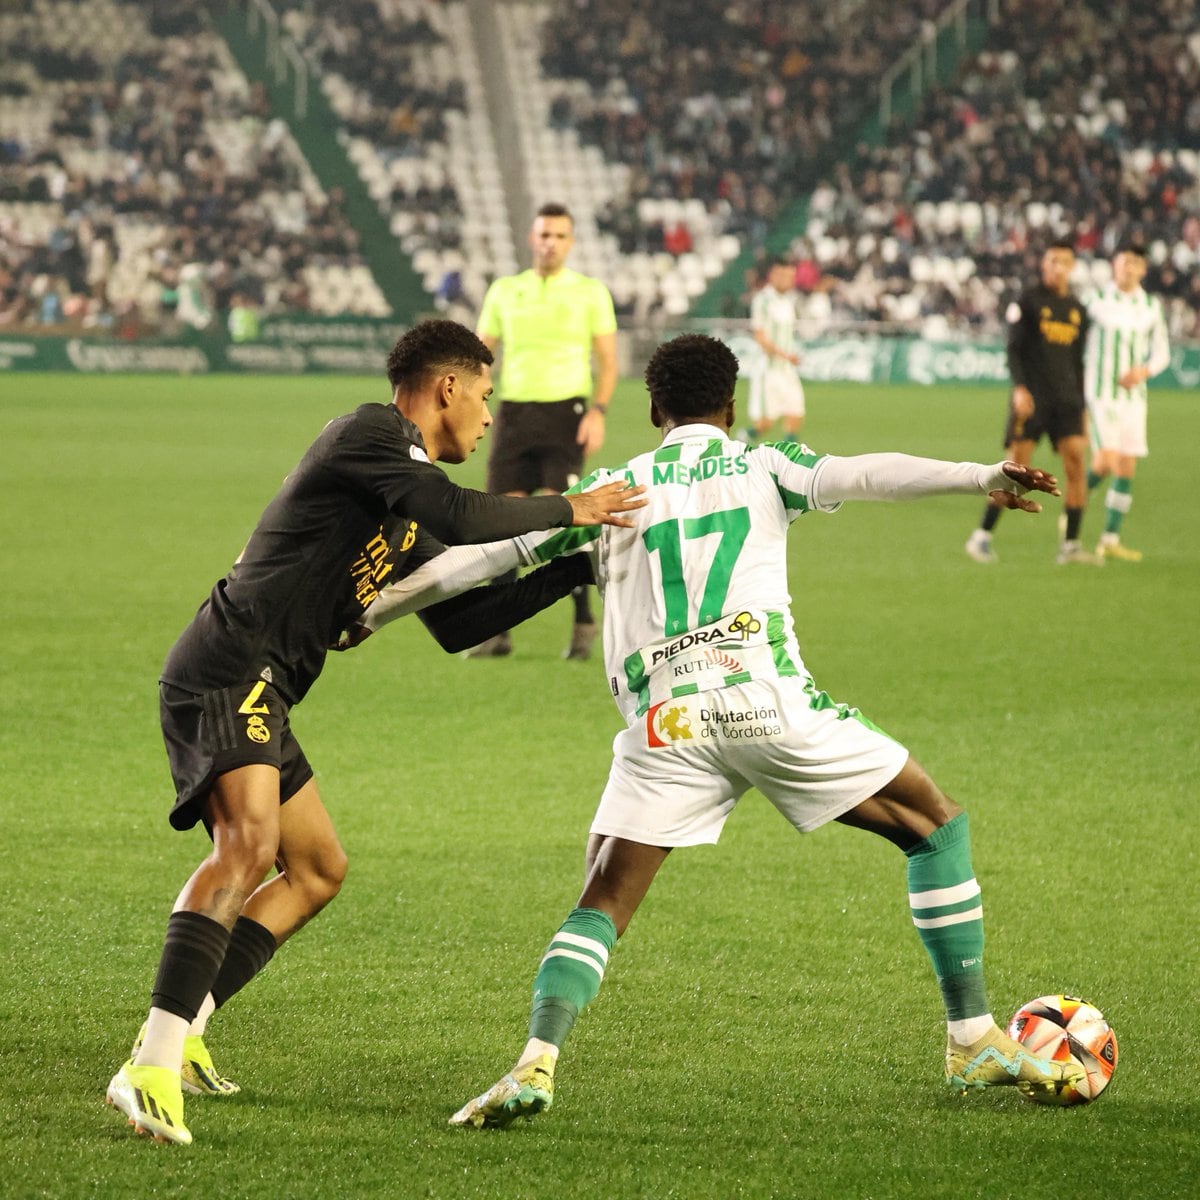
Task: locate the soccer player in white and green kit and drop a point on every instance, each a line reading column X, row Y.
column 776, row 393
column 705, row 667
column 1127, row 344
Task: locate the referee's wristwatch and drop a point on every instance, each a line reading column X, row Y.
column 602, row 409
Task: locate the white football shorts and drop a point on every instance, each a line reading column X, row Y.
column 678, row 771
column 775, row 392
column 1119, row 426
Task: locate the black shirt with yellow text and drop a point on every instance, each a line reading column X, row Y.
column 364, row 507
column 1046, row 335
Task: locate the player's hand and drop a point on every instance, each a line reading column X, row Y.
column 1032, row 479
column 1134, row 376
column 349, row 638
column 591, row 431
column 604, row 505
column 1022, row 403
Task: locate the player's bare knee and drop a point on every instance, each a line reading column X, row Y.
column 247, row 858
column 321, row 878
column 333, row 873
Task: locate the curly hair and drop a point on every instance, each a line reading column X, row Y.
column 435, row 348
column 691, row 376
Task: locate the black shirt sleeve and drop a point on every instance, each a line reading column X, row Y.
column 379, row 451
column 474, row 616
column 461, row 516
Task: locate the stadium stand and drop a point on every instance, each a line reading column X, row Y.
column 1076, row 120
column 706, row 115
column 146, row 184
column 145, row 181
column 403, row 79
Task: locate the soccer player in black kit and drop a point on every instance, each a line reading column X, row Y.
column 365, row 505
column 1047, row 328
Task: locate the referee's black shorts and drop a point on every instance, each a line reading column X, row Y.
column 210, row 734
column 1055, row 421
column 534, row 446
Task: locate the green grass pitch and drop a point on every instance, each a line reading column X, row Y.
column 770, row 1026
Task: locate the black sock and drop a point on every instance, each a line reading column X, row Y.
column 191, row 958
column 1074, row 521
column 582, row 596
column 991, row 514
column 251, row 946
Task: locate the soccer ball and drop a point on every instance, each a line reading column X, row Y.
column 1065, row 1028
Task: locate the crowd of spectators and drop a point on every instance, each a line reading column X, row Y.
column 377, row 68
column 153, row 148
column 728, row 101
column 1080, row 119
column 378, row 51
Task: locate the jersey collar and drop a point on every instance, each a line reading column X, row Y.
column 683, row 432
column 411, row 431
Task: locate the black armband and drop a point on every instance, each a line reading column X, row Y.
column 476, row 615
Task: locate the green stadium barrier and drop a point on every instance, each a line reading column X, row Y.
column 856, row 358
column 300, row 345
column 285, row 346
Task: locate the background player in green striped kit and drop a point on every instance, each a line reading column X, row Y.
column 776, row 393
column 1126, row 345
column 705, row 666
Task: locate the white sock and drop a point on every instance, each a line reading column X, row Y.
column 196, row 1028
column 535, row 1048
column 163, row 1044
column 971, row 1029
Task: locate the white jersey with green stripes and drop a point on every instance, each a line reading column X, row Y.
column 696, row 594
column 774, row 313
column 1127, row 329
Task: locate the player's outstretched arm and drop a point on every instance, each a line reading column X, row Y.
column 448, row 574
column 605, row 505
column 906, row 477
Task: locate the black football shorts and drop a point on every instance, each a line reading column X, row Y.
column 534, row 447
column 210, row 734
column 1055, row 421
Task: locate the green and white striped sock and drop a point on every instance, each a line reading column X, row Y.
column 947, row 910
column 570, row 973
column 1117, row 502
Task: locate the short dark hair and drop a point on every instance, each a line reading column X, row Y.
column 554, row 209
column 1138, row 248
column 435, row 348
column 1061, row 243
column 779, row 260
column 691, row 376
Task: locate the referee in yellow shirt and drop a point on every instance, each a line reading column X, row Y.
column 551, row 321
